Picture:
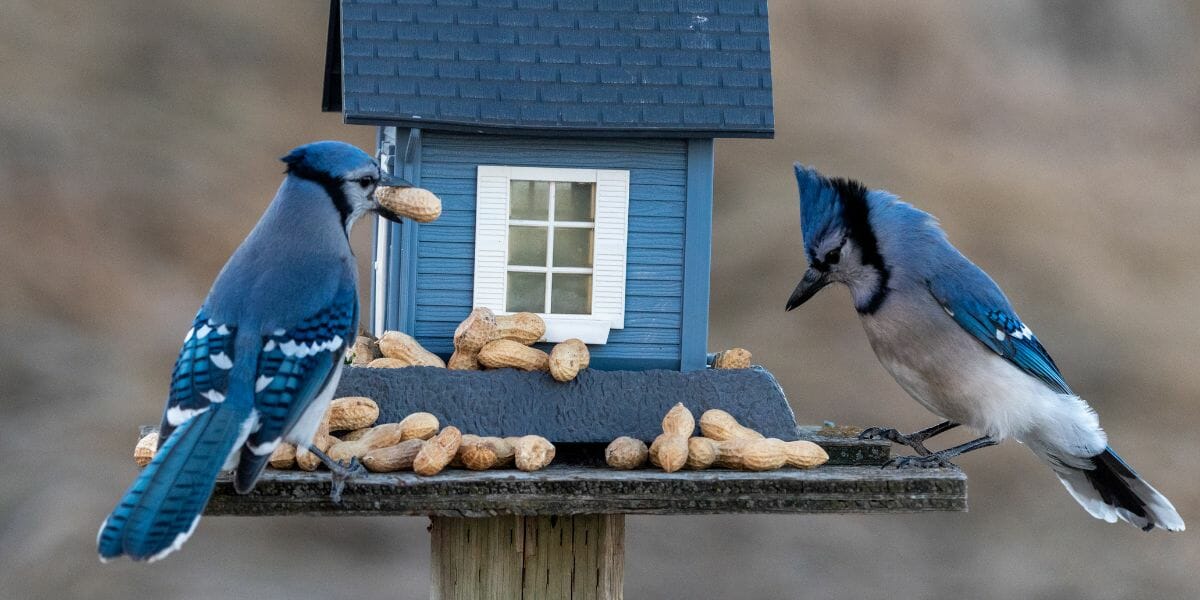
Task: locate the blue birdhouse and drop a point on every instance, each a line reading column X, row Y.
column 571, row 143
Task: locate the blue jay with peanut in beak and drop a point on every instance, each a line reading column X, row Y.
column 262, row 358
column 949, row 337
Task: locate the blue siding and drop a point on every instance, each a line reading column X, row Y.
column 444, row 249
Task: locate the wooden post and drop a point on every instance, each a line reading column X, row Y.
column 528, row 558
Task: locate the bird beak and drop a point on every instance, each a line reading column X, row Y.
column 387, row 214
column 808, row 287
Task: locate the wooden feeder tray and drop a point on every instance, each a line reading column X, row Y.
column 559, row 532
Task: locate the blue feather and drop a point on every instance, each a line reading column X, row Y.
column 292, row 376
column 161, row 509
column 983, row 311
column 820, row 206
column 201, row 372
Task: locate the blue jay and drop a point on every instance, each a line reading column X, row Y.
column 262, row 358
column 949, row 337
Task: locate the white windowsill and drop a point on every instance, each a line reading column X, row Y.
column 587, row 328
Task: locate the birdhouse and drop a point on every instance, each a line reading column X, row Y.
column 571, row 143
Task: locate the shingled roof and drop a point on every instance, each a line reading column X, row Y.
column 665, row 68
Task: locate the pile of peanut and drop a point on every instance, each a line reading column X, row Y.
column 723, row 443
column 484, row 340
column 417, row 443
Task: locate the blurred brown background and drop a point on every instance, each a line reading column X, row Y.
column 1058, row 141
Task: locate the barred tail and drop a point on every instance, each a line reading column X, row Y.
column 163, row 506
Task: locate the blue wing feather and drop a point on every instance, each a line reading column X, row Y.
column 199, row 429
column 201, row 372
column 294, row 365
column 983, row 311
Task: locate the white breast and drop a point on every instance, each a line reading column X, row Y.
column 959, row 379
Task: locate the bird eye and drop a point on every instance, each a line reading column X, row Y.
column 366, row 182
column 833, row 256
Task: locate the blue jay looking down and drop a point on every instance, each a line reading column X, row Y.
column 949, row 337
column 262, row 358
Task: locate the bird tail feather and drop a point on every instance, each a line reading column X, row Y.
column 162, row 507
column 1111, row 490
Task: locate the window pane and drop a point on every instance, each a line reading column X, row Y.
column 527, row 292
column 529, row 200
column 527, row 246
column 574, row 201
column 572, row 247
column 572, row 294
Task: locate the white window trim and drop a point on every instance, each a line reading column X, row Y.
column 610, row 250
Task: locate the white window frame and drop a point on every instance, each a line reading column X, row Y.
column 609, row 251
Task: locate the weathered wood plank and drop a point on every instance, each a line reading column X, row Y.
column 534, row 558
column 574, row 490
column 477, row 558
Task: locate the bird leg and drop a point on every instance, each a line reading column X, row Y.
column 339, row 471
column 915, row 440
column 939, row 459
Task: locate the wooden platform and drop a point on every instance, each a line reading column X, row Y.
column 577, row 490
column 578, row 484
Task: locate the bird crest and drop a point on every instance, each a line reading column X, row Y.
column 327, row 160
column 828, row 205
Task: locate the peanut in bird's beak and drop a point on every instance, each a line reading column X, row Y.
column 418, row 204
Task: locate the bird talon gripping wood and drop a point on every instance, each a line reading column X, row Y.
column 950, row 338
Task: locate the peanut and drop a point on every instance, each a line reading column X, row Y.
column 499, row 354
column 532, row 452
column 145, row 449
column 505, row 453
column 501, row 447
column 804, row 454
column 351, row 412
column 419, row 426
column 626, row 453
column 380, row 436
column 752, row 454
column 463, row 361
column 351, row 436
column 388, row 363
column 525, row 328
column 437, row 452
column 729, row 453
column 308, row 461
column 719, row 425
column 366, row 349
column 669, row 452
column 284, row 456
column 478, row 329
column 568, row 359
column 679, row 421
column 476, row 454
column 764, row 455
column 702, row 453
column 734, row 358
column 418, row 204
column 401, row 346
column 393, row 458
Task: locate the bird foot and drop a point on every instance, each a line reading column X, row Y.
column 929, row 461
column 894, row 436
column 340, row 472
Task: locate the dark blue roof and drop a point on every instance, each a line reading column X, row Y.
column 679, row 68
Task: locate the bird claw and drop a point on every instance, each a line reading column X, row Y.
column 340, row 473
column 894, row 436
column 928, row 461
